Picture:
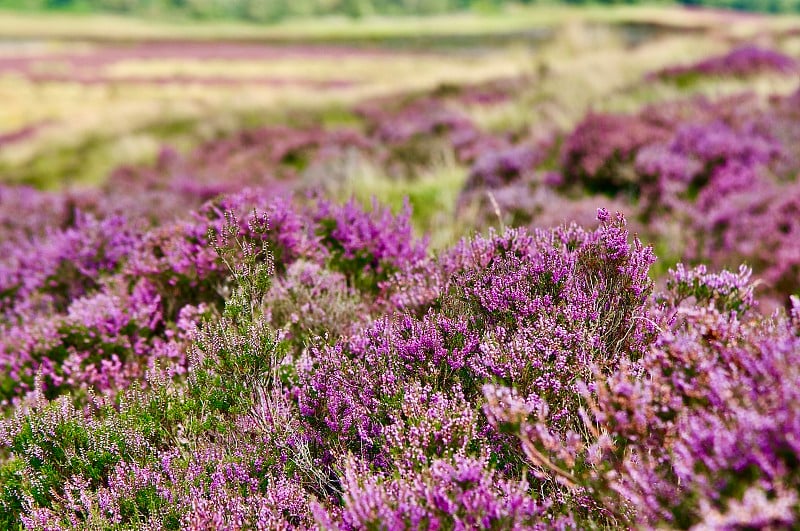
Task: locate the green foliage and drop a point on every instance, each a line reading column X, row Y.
column 765, row 6
column 271, row 11
column 261, row 10
column 52, row 443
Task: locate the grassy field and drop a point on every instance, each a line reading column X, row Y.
column 118, row 109
column 107, row 27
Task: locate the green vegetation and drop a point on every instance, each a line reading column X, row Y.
column 261, row 10
column 276, row 10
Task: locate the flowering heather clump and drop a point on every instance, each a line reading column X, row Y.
column 740, row 62
column 697, row 432
column 720, row 173
column 414, row 132
column 759, row 226
column 63, row 264
column 595, row 153
column 502, row 167
column 574, row 298
column 95, row 305
column 312, row 302
column 462, row 494
column 726, row 290
column 367, row 248
column 732, row 425
column 46, row 210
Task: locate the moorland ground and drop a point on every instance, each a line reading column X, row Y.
column 367, row 274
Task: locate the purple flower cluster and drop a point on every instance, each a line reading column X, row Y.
column 721, row 173
column 518, row 308
column 499, row 167
column 463, row 494
column 699, row 432
column 741, row 62
column 595, row 152
column 95, row 304
column 414, row 132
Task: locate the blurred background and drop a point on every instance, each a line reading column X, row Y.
column 89, row 85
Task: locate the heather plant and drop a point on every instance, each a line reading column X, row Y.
column 413, row 132
column 732, row 458
column 461, row 493
column 759, row 226
column 46, row 210
column 534, row 384
column 657, row 438
column 727, row 291
column 721, row 172
column 53, row 268
column 312, row 302
column 506, row 295
column 102, row 465
column 717, row 160
column 501, row 167
column 46, row 444
column 97, row 344
column 743, row 61
column 598, row 153
column 367, row 248
column 132, row 301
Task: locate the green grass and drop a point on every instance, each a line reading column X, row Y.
column 432, row 194
column 337, row 29
column 89, row 160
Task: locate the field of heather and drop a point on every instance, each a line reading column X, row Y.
column 536, row 269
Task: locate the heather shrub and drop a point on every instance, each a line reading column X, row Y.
column 54, row 268
column 720, row 172
column 497, row 168
column 460, row 494
column 531, row 380
column 759, row 226
column 732, row 459
column 312, row 302
column 45, row 210
column 743, row 61
column 47, row 444
column 696, row 432
column 100, row 342
column 726, row 291
column 414, row 132
column 120, row 304
column 102, row 465
column 597, row 154
column 574, row 298
column 596, row 278
column 367, row 247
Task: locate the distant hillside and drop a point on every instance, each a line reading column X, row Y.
column 275, row 10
